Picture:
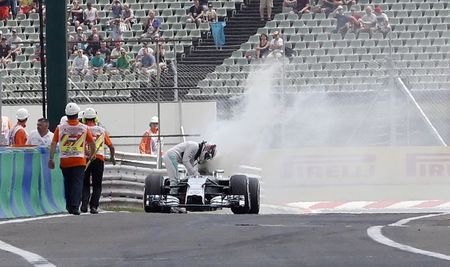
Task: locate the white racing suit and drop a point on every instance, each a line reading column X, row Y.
column 186, row 153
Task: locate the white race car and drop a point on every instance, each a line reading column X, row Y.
column 203, row 193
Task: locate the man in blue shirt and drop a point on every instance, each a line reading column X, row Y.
column 147, row 63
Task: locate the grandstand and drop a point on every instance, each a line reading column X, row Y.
column 417, row 50
column 418, row 47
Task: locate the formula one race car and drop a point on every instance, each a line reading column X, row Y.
column 203, row 193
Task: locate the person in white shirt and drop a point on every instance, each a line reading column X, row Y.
column 276, row 45
column 382, row 24
column 42, row 136
column 90, row 15
column 80, row 63
column 368, row 21
column 13, row 41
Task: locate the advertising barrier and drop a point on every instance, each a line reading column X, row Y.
column 27, row 186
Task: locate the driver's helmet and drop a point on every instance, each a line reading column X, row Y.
column 208, row 151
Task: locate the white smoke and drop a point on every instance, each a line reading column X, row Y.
column 264, row 120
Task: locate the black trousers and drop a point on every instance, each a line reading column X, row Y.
column 73, row 186
column 95, row 170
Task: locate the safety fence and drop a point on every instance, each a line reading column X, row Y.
column 27, row 186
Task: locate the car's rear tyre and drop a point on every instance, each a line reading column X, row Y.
column 239, row 186
column 154, row 185
column 254, row 190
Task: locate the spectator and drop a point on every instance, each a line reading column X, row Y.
column 196, row 13
column 79, row 40
column 262, row 49
column 162, row 57
column 349, row 3
column 276, row 45
column 42, row 136
column 116, row 30
column 94, row 31
column 128, row 16
column 76, row 13
column 151, row 26
column 105, row 52
column 298, row 6
column 90, row 15
column 341, row 21
column 27, row 6
column 204, row 4
column 15, row 43
column 288, row 5
column 382, row 24
column 368, row 21
column 211, row 15
column 330, row 5
column 93, row 42
column 5, row 52
column 116, row 9
column 18, row 136
column 301, row 7
column 80, row 63
column 268, row 4
column 115, row 54
column 124, row 62
column 37, row 53
column 354, row 23
column 147, row 63
column 141, row 50
column 4, row 9
column 97, row 63
column 13, row 8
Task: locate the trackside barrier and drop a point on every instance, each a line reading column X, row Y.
column 123, row 184
column 27, row 186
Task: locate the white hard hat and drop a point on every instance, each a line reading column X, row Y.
column 22, row 114
column 63, row 120
column 154, row 119
column 89, row 113
column 72, row 109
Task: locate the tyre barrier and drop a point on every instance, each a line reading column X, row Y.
column 27, row 186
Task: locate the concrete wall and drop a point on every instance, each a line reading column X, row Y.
column 133, row 119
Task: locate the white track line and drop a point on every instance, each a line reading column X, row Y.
column 32, row 258
column 375, row 233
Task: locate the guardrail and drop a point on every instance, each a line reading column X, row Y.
column 123, row 184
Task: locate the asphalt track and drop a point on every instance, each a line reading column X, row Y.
column 198, row 239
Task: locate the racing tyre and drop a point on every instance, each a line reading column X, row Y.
column 253, row 186
column 154, row 185
column 239, row 186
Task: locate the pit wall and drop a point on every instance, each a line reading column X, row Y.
column 27, row 186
